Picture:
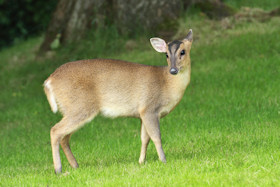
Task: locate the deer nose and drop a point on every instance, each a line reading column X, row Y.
column 173, row 71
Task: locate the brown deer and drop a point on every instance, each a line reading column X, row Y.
column 82, row 89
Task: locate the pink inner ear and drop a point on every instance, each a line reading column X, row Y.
column 163, row 47
column 159, row 45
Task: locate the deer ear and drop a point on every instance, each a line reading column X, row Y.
column 189, row 36
column 158, row 44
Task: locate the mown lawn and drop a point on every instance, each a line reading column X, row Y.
column 225, row 131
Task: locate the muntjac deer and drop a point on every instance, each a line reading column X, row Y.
column 80, row 90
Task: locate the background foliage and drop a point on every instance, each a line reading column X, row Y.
column 23, row 18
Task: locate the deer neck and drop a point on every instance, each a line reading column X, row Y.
column 176, row 86
column 179, row 82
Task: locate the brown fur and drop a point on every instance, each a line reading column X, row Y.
column 113, row 88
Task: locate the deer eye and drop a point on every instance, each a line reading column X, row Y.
column 166, row 55
column 182, row 52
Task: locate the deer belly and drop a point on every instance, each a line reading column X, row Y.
column 118, row 110
column 119, row 102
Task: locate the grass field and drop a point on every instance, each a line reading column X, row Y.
column 225, row 131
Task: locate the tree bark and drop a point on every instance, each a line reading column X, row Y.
column 72, row 18
column 146, row 15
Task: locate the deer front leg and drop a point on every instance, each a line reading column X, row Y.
column 145, row 139
column 151, row 123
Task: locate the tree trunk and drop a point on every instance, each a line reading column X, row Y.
column 72, row 18
column 146, row 15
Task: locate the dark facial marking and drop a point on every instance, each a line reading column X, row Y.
column 174, row 45
column 173, row 48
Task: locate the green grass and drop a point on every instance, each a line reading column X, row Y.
column 224, row 132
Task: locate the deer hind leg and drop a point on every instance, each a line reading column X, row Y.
column 151, row 123
column 67, row 151
column 145, row 139
column 60, row 133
